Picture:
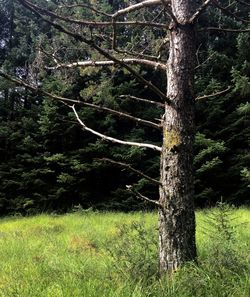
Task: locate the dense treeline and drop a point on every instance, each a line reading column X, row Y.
column 48, row 163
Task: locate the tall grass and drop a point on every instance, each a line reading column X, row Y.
column 115, row 254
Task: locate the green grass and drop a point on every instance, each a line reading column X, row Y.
column 114, row 254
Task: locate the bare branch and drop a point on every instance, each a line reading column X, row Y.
column 114, row 33
column 214, row 94
column 133, row 53
column 132, row 61
column 159, row 104
column 114, row 38
column 229, row 30
column 127, row 166
column 68, row 100
column 93, row 23
column 91, row 43
column 139, row 195
column 137, row 6
column 243, row 2
column 231, row 4
column 197, row 54
column 84, row 6
column 38, row 90
column 204, row 62
column 231, row 14
column 199, row 11
column 169, row 11
column 137, row 55
column 134, row 24
column 112, row 139
column 122, row 114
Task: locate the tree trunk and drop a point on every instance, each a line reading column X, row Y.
column 176, row 216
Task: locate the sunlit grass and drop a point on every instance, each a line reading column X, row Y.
column 68, row 255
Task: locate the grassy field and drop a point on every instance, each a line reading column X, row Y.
column 115, row 254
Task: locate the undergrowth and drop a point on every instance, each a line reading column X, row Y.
column 114, row 254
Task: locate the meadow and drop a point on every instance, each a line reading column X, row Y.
column 95, row 254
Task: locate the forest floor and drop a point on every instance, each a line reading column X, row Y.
column 95, row 254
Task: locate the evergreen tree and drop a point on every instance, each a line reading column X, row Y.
column 78, row 32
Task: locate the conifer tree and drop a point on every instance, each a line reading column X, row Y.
column 176, row 57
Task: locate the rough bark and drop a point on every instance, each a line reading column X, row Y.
column 176, row 216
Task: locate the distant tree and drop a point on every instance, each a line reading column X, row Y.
column 112, row 29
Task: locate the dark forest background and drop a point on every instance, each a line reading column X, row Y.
column 47, row 163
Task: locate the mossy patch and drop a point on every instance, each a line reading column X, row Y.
column 171, row 139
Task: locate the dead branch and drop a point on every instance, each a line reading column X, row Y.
column 127, row 166
column 91, row 105
column 197, row 54
column 112, row 139
column 229, row 13
column 204, row 62
column 91, row 43
column 94, row 23
column 243, row 2
column 199, row 11
column 229, row 30
column 122, row 114
column 38, row 90
column 231, row 4
column 137, row 6
column 140, row 196
column 69, row 6
column 159, row 104
column 130, row 61
column 114, row 33
column 138, row 24
column 169, row 11
column 214, row 94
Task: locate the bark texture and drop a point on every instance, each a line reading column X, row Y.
column 176, row 217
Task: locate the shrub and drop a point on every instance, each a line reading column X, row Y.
column 134, row 251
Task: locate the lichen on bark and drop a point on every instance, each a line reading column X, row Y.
column 171, row 139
